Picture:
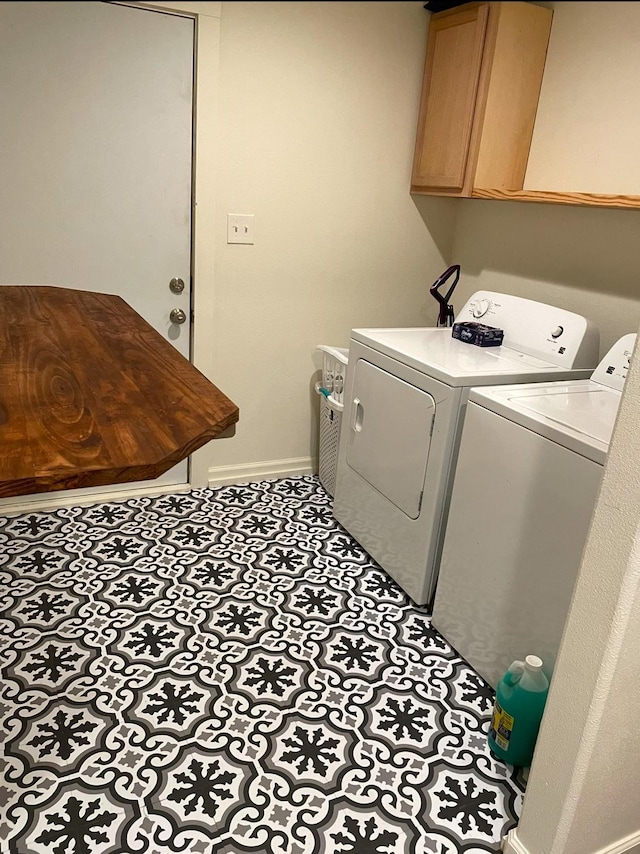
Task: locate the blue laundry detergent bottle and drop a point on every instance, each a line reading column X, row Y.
column 520, row 699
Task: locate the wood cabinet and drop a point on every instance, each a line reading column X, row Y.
column 482, row 82
column 483, row 73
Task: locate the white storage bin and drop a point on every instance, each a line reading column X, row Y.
column 331, row 390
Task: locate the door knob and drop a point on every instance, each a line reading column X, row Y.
column 177, row 315
column 176, row 285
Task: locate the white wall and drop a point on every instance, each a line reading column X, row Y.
column 318, row 109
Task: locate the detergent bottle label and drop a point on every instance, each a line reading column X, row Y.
column 501, row 726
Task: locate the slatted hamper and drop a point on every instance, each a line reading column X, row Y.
column 331, row 390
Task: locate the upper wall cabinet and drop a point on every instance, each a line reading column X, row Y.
column 483, row 74
column 499, row 121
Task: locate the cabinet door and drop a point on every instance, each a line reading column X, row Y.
column 452, row 73
column 518, row 52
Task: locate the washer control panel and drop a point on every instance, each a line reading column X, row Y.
column 536, row 328
column 612, row 370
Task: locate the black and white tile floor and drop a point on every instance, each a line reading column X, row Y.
column 226, row 671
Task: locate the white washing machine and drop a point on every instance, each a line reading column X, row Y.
column 529, row 469
column 405, row 397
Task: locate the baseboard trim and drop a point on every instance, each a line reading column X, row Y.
column 55, row 500
column 263, row 470
column 512, row 845
column 628, row 845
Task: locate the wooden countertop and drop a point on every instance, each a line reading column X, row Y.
column 91, row 394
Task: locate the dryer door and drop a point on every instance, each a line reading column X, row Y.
column 389, row 435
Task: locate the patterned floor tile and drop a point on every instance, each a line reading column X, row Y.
column 227, row 671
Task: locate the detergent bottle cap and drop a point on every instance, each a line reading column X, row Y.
column 533, row 662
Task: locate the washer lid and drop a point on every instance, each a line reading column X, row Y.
column 436, row 353
column 579, row 415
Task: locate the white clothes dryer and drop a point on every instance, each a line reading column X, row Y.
column 529, row 469
column 405, row 398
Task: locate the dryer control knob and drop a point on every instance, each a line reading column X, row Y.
column 557, row 332
column 481, row 308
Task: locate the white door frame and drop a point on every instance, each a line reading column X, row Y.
column 206, row 57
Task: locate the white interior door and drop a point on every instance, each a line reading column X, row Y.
column 96, row 130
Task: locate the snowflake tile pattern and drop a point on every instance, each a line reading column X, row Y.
column 226, row 671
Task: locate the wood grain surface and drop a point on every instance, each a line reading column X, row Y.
column 594, row 200
column 91, row 394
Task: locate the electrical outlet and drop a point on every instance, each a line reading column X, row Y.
column 240, row 228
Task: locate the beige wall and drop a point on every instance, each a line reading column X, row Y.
column 587, row 130
column 581, row 259
column 318, row 105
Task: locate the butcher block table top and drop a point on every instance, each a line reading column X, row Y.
column 91, row 394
